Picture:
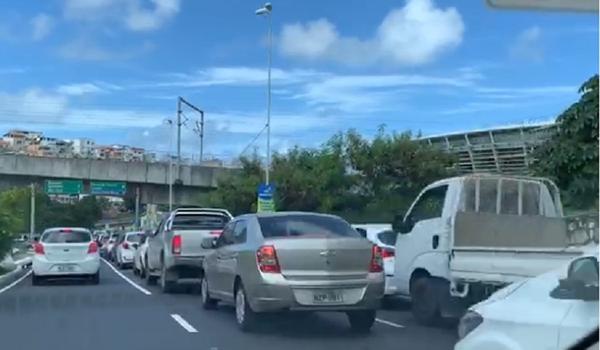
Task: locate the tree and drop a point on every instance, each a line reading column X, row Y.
column 237, row 192
column 570, row 156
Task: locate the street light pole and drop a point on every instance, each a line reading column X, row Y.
column 266, row 11
column 170, row 122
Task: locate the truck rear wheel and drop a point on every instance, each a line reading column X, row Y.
column 424, row 294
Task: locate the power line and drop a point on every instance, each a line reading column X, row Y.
column 253, row 140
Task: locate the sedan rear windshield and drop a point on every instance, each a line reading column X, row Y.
column 199, row 222
column 66, row 236
column 305, row 225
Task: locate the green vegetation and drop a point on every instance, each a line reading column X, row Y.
column 14, row 214
column 357, row 178
column 570, row 157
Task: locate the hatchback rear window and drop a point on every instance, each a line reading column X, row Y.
column 134, row 238
column 62, row 236
column 388, row 237
column 305, row 225
column 199, row 222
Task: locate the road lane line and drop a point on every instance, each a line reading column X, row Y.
column 183, row 323
column 135, row 285
column 392, row 324
column 15, row 282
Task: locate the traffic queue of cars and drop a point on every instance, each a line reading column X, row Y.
column 474, row 243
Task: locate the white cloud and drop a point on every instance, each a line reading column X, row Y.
column 415, row 34
column 528, row 45
column 32, row 105
column 135, row 15
column 234, row 76
column 82, row 49
column 80, row 89
column 142, row 19
column 41, row 26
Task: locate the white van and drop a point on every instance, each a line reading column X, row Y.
column 465, row 237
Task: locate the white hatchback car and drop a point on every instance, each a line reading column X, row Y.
column 552, row 311
column 139, row 258
column 383, row 236
column 66, row 252
column 125, row 248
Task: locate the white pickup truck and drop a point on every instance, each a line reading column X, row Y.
column 465, row 237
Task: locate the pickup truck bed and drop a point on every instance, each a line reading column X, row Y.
column 500, row 249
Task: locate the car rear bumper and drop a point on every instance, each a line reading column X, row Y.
column 41, row 266
column 364, row 295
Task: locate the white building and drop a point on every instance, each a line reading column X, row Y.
column 18, row 140
column 83, row 148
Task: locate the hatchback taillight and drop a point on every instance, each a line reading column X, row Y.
column 387, row 253
column 125, row 245
column 176, row 244
column 266, row 257
column 376, row 264
column 38, row 248
column 216, row 232
column 93, row 248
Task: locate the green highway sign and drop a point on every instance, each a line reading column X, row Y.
column 108, row 188
column 63, row 186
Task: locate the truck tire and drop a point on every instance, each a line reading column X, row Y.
column 425, row 294
column 166, row 286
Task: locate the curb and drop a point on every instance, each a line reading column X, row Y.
column 22, row 266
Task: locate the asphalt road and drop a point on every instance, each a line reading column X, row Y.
column 120, row 315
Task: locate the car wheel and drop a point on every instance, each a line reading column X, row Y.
column 135, row 270
column 361, row 321
column 246, row 318
column 150, row 280
column 35, row 279
column 165, row 285
column 143, row 272
column 208, row 303
column 96, row 278
column 425, row 302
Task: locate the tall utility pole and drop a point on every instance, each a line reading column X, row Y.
column 137, row 207
column 179, row 100
column 266, row 11
column 200, row 128
column 170, row 123
column 32, row 214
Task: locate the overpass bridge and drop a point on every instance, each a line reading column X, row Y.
column 191, row 185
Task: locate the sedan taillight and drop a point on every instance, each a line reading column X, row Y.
column 376, row 264
column 266, row 257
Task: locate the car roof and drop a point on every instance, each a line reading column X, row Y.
column 287, row 213
column 66, row 228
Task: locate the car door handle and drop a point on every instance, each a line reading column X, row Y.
column 435, row 241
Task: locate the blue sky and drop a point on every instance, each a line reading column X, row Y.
column 111, row 70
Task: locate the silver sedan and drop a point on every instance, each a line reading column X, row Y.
column 293, row 261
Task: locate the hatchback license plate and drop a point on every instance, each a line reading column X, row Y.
column 328, row 297
column 66, row 268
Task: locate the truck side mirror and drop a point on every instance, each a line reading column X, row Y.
column 400, row 225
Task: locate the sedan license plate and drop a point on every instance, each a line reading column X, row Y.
column 66, row 268
column 328, row 297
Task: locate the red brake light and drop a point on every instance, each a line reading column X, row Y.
column 376, row 264
column 176, row 244
column 387, row 253
column 266, row 257
column 93, row 248
column 216, row 232
column 38, row 248
column 125, row 245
